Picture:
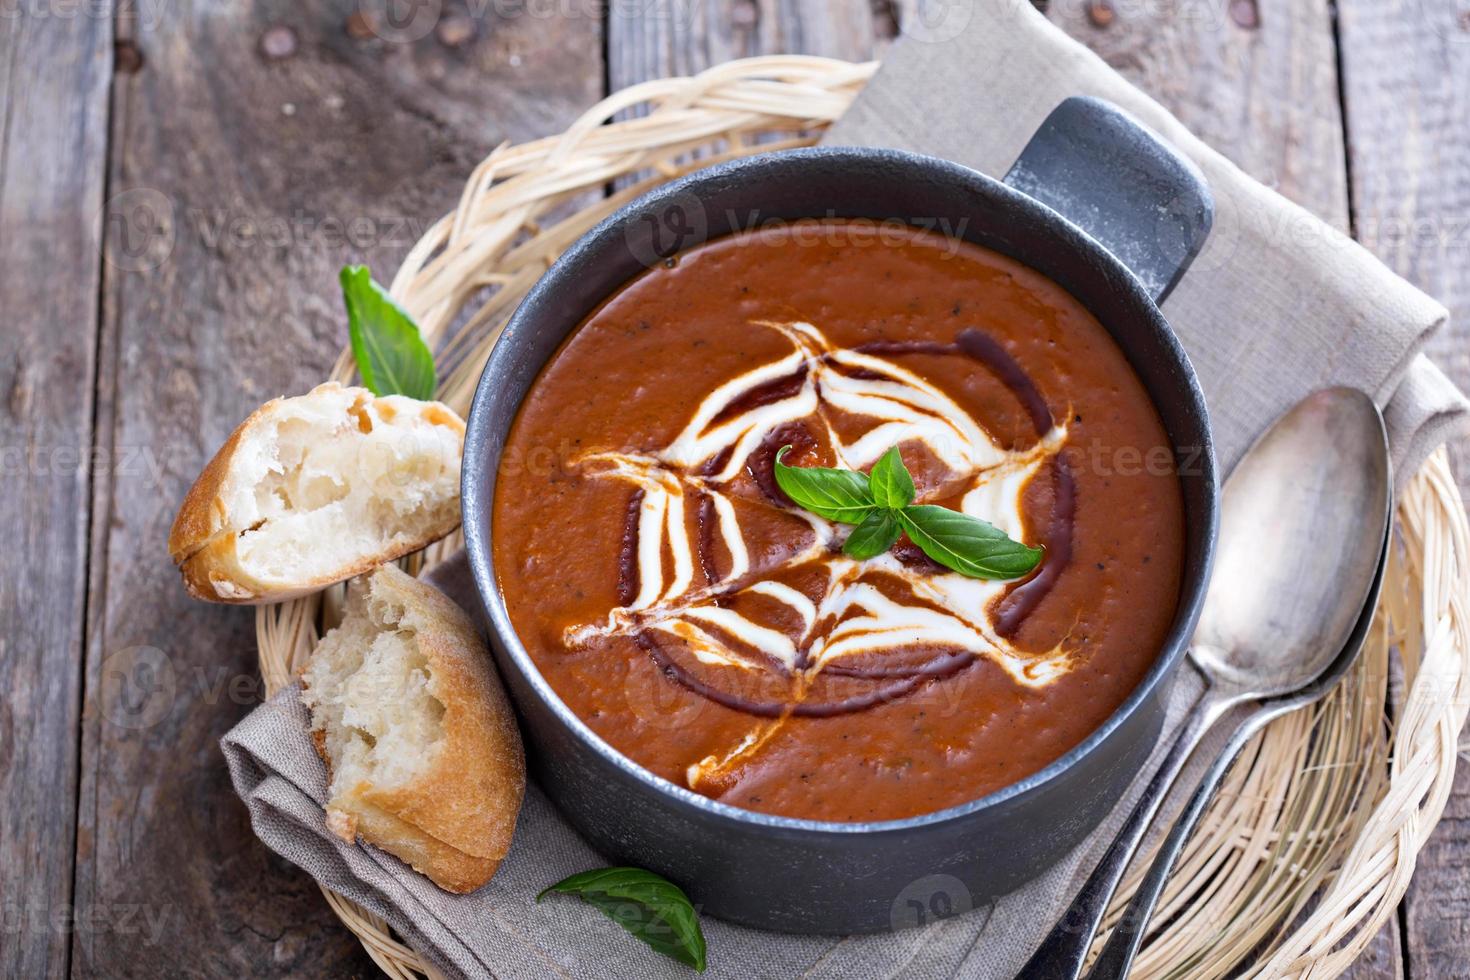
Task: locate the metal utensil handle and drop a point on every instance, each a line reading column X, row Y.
column 1064, row 950
column 1122, row 946
column 1120, row 182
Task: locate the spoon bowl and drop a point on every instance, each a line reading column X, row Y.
column 1299, row 545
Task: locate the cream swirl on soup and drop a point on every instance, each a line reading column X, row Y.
column 874, row 606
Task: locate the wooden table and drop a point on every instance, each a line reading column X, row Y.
column 278, row 141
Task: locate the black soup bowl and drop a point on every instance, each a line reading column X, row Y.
column 1097, row 204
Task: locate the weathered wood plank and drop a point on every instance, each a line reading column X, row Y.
column 54, row 77
column 1406, row 85
column 1406, row 82
column 1256, row 79
column 262, row 146
column 661, row 38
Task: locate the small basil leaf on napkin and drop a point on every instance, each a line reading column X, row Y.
column 875, row 535
column 651, row 908
column 390, row 352
column 838, row 495
column 892, row 485
column 967, row 544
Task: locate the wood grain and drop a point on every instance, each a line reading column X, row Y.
column 53, row 148
column 1406, row 85
column 272, row 142
column 1264, row 95
column 1257, row 80
column 676, row 37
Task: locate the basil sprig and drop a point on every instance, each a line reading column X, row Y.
column 881, row 504
column 892, row 486
column 651, row 908
column 967, row 544
column 843, row 496
column 390, row 352
column 878, row 532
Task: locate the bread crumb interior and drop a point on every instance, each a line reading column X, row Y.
column 328, row 486
column 371, row 693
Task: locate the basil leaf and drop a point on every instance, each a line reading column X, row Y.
column 390, row 352
column 838, row 495
column 873, row 536
column 651, row 908
column 892, row 485
column 967, row 544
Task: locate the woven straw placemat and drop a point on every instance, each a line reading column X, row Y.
column 1309, row 846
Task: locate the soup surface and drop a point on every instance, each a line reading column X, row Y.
column 713, row 632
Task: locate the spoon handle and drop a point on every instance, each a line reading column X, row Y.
column 1063, row 952
column 1117, row 955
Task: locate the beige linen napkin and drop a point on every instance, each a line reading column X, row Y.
column 1277, row 305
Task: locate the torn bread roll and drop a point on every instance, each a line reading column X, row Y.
column 316, row 489
column 424, row 757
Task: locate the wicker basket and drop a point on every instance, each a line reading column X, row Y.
column 1310, row 845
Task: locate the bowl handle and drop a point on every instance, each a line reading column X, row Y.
column 1117, row 180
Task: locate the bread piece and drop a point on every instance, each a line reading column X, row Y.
column 423, row 751
column 316, row 489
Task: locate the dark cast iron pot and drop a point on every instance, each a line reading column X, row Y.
column 1096, row 203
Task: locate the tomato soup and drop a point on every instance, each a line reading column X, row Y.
column 712, row 631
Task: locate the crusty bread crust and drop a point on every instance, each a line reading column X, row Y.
column 454, row 822
column 204, row 542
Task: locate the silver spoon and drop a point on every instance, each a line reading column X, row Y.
column 1302, row 521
